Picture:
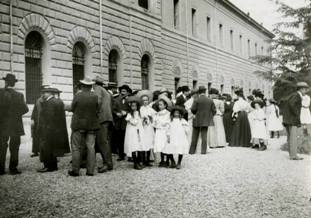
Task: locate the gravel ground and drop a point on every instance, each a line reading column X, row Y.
column 228, row 182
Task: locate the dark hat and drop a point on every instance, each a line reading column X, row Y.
column 87, row 81
column 48, row 89
column 177, row 108
column 10, row 77
column 213, row 91
column 99, row 79
column 251, row 98
column 126, row 87
column 257, row 101
column 239, row 91
column 134, row 98
column 56, row 90
column 185, row 89
column 202, row 89
column 227, row 96
column 111, row 85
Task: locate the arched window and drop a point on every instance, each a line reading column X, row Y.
column 145, row 67
column 33, row 58
column 78, row 62
column 113, row 66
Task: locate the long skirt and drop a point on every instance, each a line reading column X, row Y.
column 216, row 134
column 241, row 133
column 228, row 125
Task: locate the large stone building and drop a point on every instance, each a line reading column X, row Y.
column 144, row 43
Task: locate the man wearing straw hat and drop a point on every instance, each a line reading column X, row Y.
column 291, row 109
column 105, row 120
column 84, row 125
column 12, row 125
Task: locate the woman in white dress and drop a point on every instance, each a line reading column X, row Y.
column 161, row 124
column 274, row 123
column 304, row 136
column 134, row 129
column 178, row 132
column 147, row 114
column 216, row 137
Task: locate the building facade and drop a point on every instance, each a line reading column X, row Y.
column 147, row 44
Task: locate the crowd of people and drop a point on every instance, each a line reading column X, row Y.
column 145, row 126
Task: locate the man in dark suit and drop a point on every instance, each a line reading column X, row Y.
column 84, row 125
column 182, row 98
column 120, row 110
column 105, row 120
column 203, row 109
column 290, row 108
column 12, row 125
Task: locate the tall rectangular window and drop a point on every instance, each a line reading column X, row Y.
column 249, row 48
column 261, row 52
column 208, row 29
column 194, row 25
column 194, row 84
column 176, row 14
column 256, row 52
column 220, row 34
column 241, row 44
column 143, row 3
column 231, row 40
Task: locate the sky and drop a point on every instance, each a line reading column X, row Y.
column 264, row 11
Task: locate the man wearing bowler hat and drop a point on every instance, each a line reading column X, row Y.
column 105, row 120
column 12, row 125
column 120, row 110
column 204, row 109
column 84, row 125
column 291, row 108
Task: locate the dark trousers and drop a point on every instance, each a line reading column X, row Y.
column 119, row 139
column 103, row 145
column 195, row 136
column 47, row 156
column 13, row 145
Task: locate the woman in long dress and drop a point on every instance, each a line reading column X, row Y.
column 304, row 139
column 216, row 134
column 274, row 123
column 227, row 117
column 241, row 134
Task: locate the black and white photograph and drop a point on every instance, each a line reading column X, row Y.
column 155, row 108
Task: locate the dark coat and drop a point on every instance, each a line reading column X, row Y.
column 204, row 109
column 105, row 104
column 85, row 109
column 180, row 101
column 4, row 109
column 13, row 123
column 120, row 104
column 290, row 108
column 52, row 126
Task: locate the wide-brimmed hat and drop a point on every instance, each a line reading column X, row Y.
column 99, row 79
column 111, row 85
column 178, row 108
column 147, row 93
column 134, row 98
column 10, row 77
column 257, row 101
column 164, row 90
column 302, row 85
column 126, row 87
column 166, row 100
column 87, row 81
column 48, row 89
column 57, row 90
column 185, row 88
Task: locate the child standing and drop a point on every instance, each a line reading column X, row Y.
column 177, row 134
column 259, row 132
column 134, row 128
column 161, row 124
column 147, row 113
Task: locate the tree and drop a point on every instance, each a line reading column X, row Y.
column 290, row 50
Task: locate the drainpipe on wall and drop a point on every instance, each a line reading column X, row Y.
column 11, row 36
column 131, row 45
column 187, row 41
column 101, row 36
column 216, row 49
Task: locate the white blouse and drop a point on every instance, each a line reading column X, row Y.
column 241, row 105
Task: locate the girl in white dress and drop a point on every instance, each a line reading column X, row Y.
column 133, row 132
column 178, row 132
column 161, row 124
column 147, row 114
column 274, row 123
column 259, row 133
column 305, row 115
